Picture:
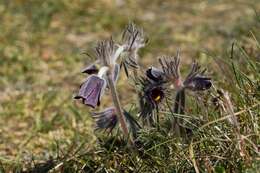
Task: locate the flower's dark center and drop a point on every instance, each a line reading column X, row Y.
column 157, row 94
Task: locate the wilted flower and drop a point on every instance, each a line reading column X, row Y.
column 106, row 119
column 92, row 89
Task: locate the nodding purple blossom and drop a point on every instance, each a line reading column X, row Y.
column 106, row 120
column 92, row 89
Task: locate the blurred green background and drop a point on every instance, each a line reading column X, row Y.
column 41, row 55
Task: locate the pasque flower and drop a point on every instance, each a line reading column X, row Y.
column 92, row 89
column 153, row 88
column 106, row 119
column 196, row 81
column 108, row 52
column 155, row 74
column 152, row 93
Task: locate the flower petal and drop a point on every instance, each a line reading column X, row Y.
column 90, row 91
column 106, row 119
column 154, row 74
column 91, row 69
column 156, row 94
column 199, row 83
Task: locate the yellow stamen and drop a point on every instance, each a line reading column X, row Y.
column 157, row 98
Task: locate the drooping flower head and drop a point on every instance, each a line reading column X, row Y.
column 106, row 120
column 92, row 89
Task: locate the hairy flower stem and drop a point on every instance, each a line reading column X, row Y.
column 118, row 106
column 179, row 107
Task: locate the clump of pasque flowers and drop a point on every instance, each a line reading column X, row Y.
column 168, row 76
column 154, row 86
